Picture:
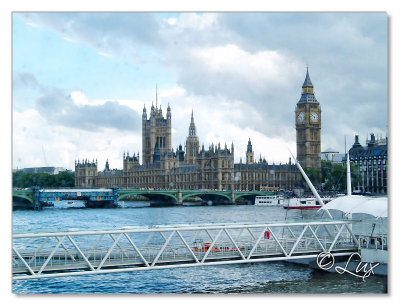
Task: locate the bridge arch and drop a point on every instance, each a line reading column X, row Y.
column 148, row 194
column 25, row 197
column 22, row 202
column 250, row 197
column 209, row 196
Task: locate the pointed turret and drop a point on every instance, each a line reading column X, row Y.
column 144, row 115
column 307, row 81
column 192, row 126
column 192, row 143
column 307, row 95
column 169, row 113
column 249, row 153
column 249, row 146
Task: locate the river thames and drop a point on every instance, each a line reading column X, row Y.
column 255, row 278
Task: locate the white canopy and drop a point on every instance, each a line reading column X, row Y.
column 352, row 204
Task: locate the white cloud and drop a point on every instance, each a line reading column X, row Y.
column 172, row 21
column 69, row 39
column 172, row 92
column 32, row 135
column 79, row 98
column 33, row 24
column 260, row 69
column 104, row 54
column 194, row 21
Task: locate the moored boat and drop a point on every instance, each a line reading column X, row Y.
column 270, row 200
column 304, row 203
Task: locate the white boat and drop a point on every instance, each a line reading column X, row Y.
column 304, row 203
column 274, row 200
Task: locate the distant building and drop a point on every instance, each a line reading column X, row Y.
column 48, row 170
column 308, row 127
column 372, row 160
column 192, row 168
column 332, row 156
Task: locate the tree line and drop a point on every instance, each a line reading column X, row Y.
column 45, row 180
column 333, row 176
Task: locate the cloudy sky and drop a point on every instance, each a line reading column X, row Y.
column 80, row 80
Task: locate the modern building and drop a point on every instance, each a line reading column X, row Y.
column 372, row 161
column 333, row 156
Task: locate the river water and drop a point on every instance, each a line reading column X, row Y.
column 255, row 278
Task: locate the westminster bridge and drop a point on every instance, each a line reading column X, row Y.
column 36, row 198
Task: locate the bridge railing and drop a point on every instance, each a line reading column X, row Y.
column 38, row 255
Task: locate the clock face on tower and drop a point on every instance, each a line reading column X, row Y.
column 300, row 117
column 314, row 117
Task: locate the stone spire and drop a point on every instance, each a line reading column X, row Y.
column 192, row 143
column 169, row 113
column 307, row 81
column 192, row 126
column 307, row 95
column 249, row 146
column 249, row 153
column 156, row 96
column 144, row 115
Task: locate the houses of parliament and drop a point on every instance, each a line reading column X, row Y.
column 196, row 167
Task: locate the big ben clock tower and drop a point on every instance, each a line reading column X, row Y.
column 308, row 127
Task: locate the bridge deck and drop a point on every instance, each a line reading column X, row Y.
column 37, row 195
column 59, row 254
column 71, row 190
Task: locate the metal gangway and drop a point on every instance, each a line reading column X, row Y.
column 84, row 252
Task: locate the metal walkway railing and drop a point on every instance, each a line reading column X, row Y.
column 39, row 255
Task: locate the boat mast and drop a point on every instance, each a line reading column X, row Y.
column 348, row 175
column 310, row 185
column 350, row 216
